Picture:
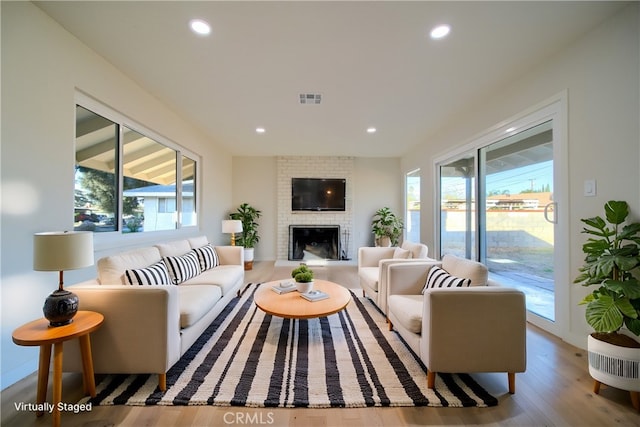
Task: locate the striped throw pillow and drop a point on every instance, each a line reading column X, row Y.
column 208, row 257
column 157, row 274
column 183, row 268
column 439, row 278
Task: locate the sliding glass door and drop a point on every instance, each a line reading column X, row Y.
column 498, row 204
column 517, row 176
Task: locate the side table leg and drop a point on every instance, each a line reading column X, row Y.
column 43, row 375
column 57, row 382
column 88, row 378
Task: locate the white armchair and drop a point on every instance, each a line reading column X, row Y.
column 480, row 328
column 373, row 263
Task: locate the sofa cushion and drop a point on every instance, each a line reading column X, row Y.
column 111, row 269
column 207, row 256
column 462, row 267
column 183, row 268
column 195, row 302
column 156, row 274
column 174, row 248
column 369, row 275
column 408, row 311
column 400, row 253
column 438, row 278
column 223, row 276
column 198, row 242
column 418, row 250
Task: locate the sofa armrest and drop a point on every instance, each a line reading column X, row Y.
column 370, row 256
column 408, row 278
column 475, row 329
column 230, row 255
column 140, row 333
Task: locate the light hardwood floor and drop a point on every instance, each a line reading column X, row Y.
column 556, row 390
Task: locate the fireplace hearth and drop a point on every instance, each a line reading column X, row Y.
column 309, row 242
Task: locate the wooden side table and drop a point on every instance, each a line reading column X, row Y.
column 41, row 334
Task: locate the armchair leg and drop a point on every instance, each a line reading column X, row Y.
column 431, row 379
column 596, row 387
column 512, row 382
column 162, row 382
column 390, row 324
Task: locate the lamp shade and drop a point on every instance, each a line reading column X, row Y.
column 62, row 250
column 231, row 226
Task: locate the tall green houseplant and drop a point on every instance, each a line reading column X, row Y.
column 611, row 263
column 386, row 226
column 248, row 215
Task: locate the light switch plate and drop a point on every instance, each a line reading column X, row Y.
column 589, row 187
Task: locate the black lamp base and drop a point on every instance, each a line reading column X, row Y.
column 60, row 307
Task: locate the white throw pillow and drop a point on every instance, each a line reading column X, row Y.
column 400, row 253
column 439, row 278
column 183, row 268
column 157, row 274
column 208, row 257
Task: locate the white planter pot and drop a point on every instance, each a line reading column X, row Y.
column 248, row 258
column 304, row 287
column 613, row 365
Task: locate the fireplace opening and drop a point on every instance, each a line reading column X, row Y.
column 308, row 242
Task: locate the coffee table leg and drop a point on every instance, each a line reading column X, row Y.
column 57, row 382
column 88, row 378
column 43, row 375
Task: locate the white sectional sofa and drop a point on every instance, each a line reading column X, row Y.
column 149, row 326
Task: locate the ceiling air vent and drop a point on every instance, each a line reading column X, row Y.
column 310, row 98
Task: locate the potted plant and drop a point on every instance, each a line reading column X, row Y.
column 613, row 308
column 248, row 215
column 386, row 227
column 303, row 276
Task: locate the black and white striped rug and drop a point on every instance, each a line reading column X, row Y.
column 249, row 358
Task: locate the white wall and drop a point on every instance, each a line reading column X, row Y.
column 600, row 73
column 377, row 182
column 42, row 67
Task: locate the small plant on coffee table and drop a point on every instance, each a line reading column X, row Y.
column 302, row 274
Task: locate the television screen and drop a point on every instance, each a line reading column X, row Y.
column 318, row 194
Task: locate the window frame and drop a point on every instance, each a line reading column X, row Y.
column 111, row 238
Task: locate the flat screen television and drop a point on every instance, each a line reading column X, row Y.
column 318, row 194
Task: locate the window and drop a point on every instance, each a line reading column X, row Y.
column 412, row 203
column 128, row 181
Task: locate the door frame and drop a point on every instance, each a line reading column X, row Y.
column 553, row 108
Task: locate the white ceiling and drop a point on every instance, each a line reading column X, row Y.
column 373, row 63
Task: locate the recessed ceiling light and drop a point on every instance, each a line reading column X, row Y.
column 511, row 129
column 199, row 26
column 440, row 31
column 260, row 130
column 371, row 130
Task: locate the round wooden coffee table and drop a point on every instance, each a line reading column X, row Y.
column 292, row 306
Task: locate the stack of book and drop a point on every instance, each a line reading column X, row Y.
column 314, row 295
column 284, row 287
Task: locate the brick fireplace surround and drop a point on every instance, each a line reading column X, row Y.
column 313, row 167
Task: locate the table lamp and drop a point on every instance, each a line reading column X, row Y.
column 59, row 251
column 232, row 226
